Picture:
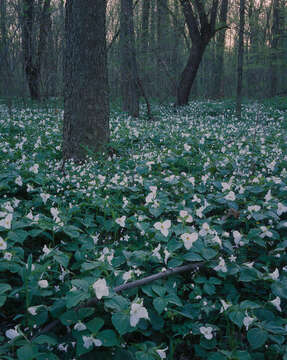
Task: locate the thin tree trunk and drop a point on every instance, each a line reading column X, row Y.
column 86, row 101
column 219, row 63
column 129, row 73
column 240, row 59
column 145, row 27
column 31, row 70
column 189, row 73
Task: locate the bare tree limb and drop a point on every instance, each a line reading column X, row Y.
column 131, row 285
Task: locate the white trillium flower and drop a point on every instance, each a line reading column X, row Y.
column 18, row 181
column 11, row 334
column 186, row 147
column 101, row 289
column 44, row 197
column 137, row 312
column 6, row 222
column 185, row 216
column 43, row 284
column 162, row 353
column 277, row 302
column 237, row 237
column 33, row 309
column 34, row 169
column 121, row 221
column 281, row 209
column 3, row 244
column 254, row 208
column 163, row 227
column 80, row 326
column 268, row 196
column 248, row 320
column 225, row 305
column 7, row 255
column 230, row 196
column 221, row 266
column 206, row 332
column 275, row 274
column 189, row 239
column 265, row 232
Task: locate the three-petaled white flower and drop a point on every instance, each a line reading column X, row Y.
column 137, row 312
column 275, row 274
column 265, row 232
column 43, row 284
column 34, row 169
column 189, row 239
column 281, row 208
column 121, row 221
column 6, row 222
column 248, row 320
column 163, row 227
column 185, row 216
column 230, row 196
column 206, row 332
column 162, row 353
column 101, row 289
column 221, row 266
column 3, row 244
column 90, row 341
column 237, row 237
column 276, row 302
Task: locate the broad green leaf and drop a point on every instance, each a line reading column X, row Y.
column 257, row 337
column 26, row 352
column 236, row 317
column 121, row 322
column 4, row 288
column 45, row 339
column 95, row 325
column 75, row 297
column 108, row 338
column 159, row 304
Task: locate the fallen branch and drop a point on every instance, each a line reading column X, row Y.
column 131, row 285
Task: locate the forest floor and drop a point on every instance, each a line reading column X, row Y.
column 194, row 185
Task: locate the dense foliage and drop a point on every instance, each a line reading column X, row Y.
column 193, row 185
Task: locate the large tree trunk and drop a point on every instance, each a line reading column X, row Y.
column 129, row 73
column 86, row 101
column 189, row 73
column 240, row 59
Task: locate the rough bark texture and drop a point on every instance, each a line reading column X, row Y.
column 201, row 30
column 240, row 58
column 86, row 101
column 34, row 50
column 129, row 73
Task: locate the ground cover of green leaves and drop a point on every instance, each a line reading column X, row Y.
column 195, row 184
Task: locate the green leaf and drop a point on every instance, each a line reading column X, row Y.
column 95, row 325
column 192, row 256
column 108, row 338
column 160, row 304
column 257, row 337
column 26, row 352
column 117, row 303
column 237, row 318
column 3, row 299
column 4, row 288
column 159, row 290
column 216, row 356
column 62, row 259
column 208, row 254
column 140, row 355
column 74, row 297
column 279, row 288
column 209, row 289
column 69, row 318
column 121, row 322
column 45, row 339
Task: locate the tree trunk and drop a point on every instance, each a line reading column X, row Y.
column 189, row 73
column 218, row 87
column 240, row 59
column 201, row 29
column 129, row 73
column 31, row 69
column 145, row 27
column 86, row 101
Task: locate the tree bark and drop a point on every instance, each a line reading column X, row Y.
column 201, row 29
column 189, row 73
column 218, row 89
column 240, row 59
column 86, row 101
column 129, row 72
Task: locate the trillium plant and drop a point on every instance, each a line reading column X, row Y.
column 173, row 248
